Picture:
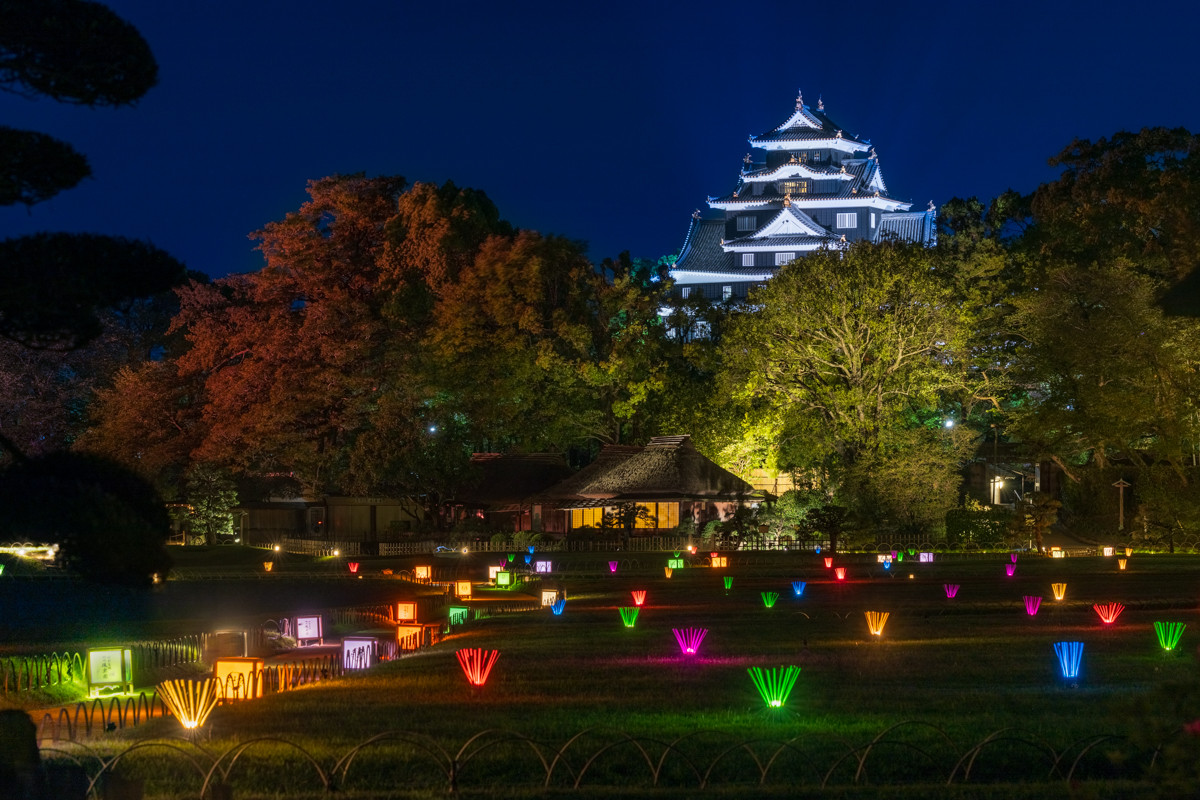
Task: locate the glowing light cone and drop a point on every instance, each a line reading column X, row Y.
column 557, row 606
column 1128, row 552
column 267, row 565
column 728, row 581
column 1012, row 557
column 1059, row 589
column 769, row 598
column 1168, row 634
column 1070, row 654
column 629, row 615
column 190, row 701
column 1121, row 562
column 612, row 566
column 774, row 685
column 798, row 588
column 1032, row 604
column 639, row 596
column 689, row 639
column 477, row 663
column 875, row 622
column 353, row 565
column 1010, row 569
column 828, row 563
column 668, row 571
column 951, row 590
column 840, row 573
column 1109, row 612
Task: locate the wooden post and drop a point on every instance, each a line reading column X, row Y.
column 1121, row 485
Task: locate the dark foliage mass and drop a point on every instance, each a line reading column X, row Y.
column 57, row 282
column 35, row 167
column 111, row 525
column 73, row 51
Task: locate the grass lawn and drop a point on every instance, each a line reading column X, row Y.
column 623, row 709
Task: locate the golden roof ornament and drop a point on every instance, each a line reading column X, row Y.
column 839, row 134
column 932, row 207
column 792, row 160
column 787, row 199
column 843, row 169
column 820, row 103
column 799, row 99
column 735, row 192
column 843, row 237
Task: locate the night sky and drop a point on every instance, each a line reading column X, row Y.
column 605, row 122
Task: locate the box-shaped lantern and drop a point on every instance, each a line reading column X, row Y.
column 926, row 558
column 493, row 571
column 1057, row 552
column 359, row 652
column 883, row 558
column 238, row 678
column 110, row 669
column 406, row 612
column 458, row 614
column 1108, row 551
column 675, row 563
column 408, row 637
column 542, row 566
column 504, row 578
column 720, row 561
column 422, row 572
column 549, row 596
column 309, row 630
column 462, row 588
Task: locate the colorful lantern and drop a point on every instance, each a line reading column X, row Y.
column 769, row 598
column 353, row 565
column 1070, row 654
column 689, row 639
column 774, row 685
column 558, row 606
column 840, row 573
column 1121, row 562
column 477, row 663
column 238, row 678
column 728, row 581
column 109, row 669
column 951, row 590
column 1059, row 589
column 629, row 615
column 1032, row 604
column 639, row 597
column 422, row 572
column 798, row 588
column 875, row 622
column 1010, row 569
column 190, row 701
column 1168, row 634
column 668, row 571
column 828, row 563
column 462, row 588
column 612, row 566
column 1109, row 612
column 406, row 612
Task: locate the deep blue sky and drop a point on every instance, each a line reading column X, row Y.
column 607, row 122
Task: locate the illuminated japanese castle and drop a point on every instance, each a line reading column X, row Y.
column 807, row 184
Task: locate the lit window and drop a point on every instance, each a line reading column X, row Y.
column 747, row 259
column 726, row 292
column 685, row 292
column 784, row 258
column 795, row 187
column 586, row 517
column 847, row 220
column 872, row 220
column 746, row 223
column 816, row 157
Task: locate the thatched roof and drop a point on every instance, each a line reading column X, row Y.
column 507, row 481
column 668, row 468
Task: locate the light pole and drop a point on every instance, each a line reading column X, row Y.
column 1121, row 485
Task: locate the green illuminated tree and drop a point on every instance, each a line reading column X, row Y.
column 211, row 494
column 850, row 355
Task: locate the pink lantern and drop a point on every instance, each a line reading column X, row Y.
column 951, row 590
column 1010, row 569
column 612, row 566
